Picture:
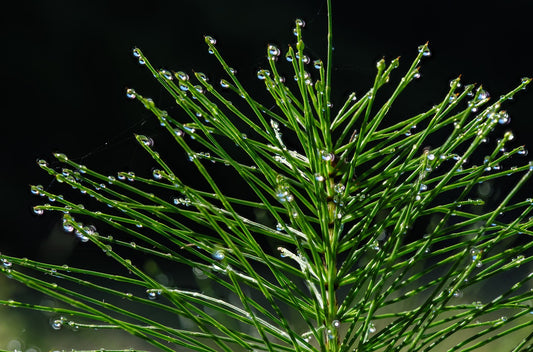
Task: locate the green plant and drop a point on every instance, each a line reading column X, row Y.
column 351, row 234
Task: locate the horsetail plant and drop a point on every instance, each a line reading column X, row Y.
column 352, row 234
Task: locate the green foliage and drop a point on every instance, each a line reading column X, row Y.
column 347, row 231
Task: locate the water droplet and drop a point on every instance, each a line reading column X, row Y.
column 305, row 59
column 417, row 75
column 288, row 57
column 371, row 328
column 157, row 174
column 67, row 226
column 326, row 156
column 279, row 227
column 38, row 211
column 147, row 141
column 273, row 50
column 224, row 83
column 330, row 335
column 152, row 295
column 136, row 52
column 182, row 76
column 6, row 263
column 165, row 74
column 210, row 40
column 300, row 23
column 424, row 49
column 336, row 323
column 263, row 74
column 317, row 64
column 130, row 93
column 201, row 76
column 518, row 260
column 57, row 324
column 218, row 254
column 319, row 177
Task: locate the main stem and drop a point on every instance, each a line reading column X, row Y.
column 330, row 256
column 330, row 268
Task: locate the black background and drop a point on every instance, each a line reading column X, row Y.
column 66, row 65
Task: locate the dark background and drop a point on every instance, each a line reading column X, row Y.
column 66, row 65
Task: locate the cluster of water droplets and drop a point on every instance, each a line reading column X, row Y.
column 210, row 41
column 128, row 176
column 283, row 193
column 137, row 54
column 182, row 201
column 61, row 322
column 80, row 231
column 476, row 256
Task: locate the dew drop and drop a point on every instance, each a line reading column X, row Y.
column 130, row 93
column 288, row 57
column 330, row 335
column 182, row 76
column 157, row 174
column 224, row 83
column 300, row 23
column 36, row 189
column 57, row 324
column 210, row 40
column 317, row 64
column 218, row 254
column 319, row 177
column 6, row 263
column 326, row 156
column 371, row 328
column 38, row 211
column 273, row 50
column 263, row 74
column 147, row 141
column 165, row 74
column 424, row 49
column 67, row 226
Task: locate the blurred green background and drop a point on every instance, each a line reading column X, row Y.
column 65, row 67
